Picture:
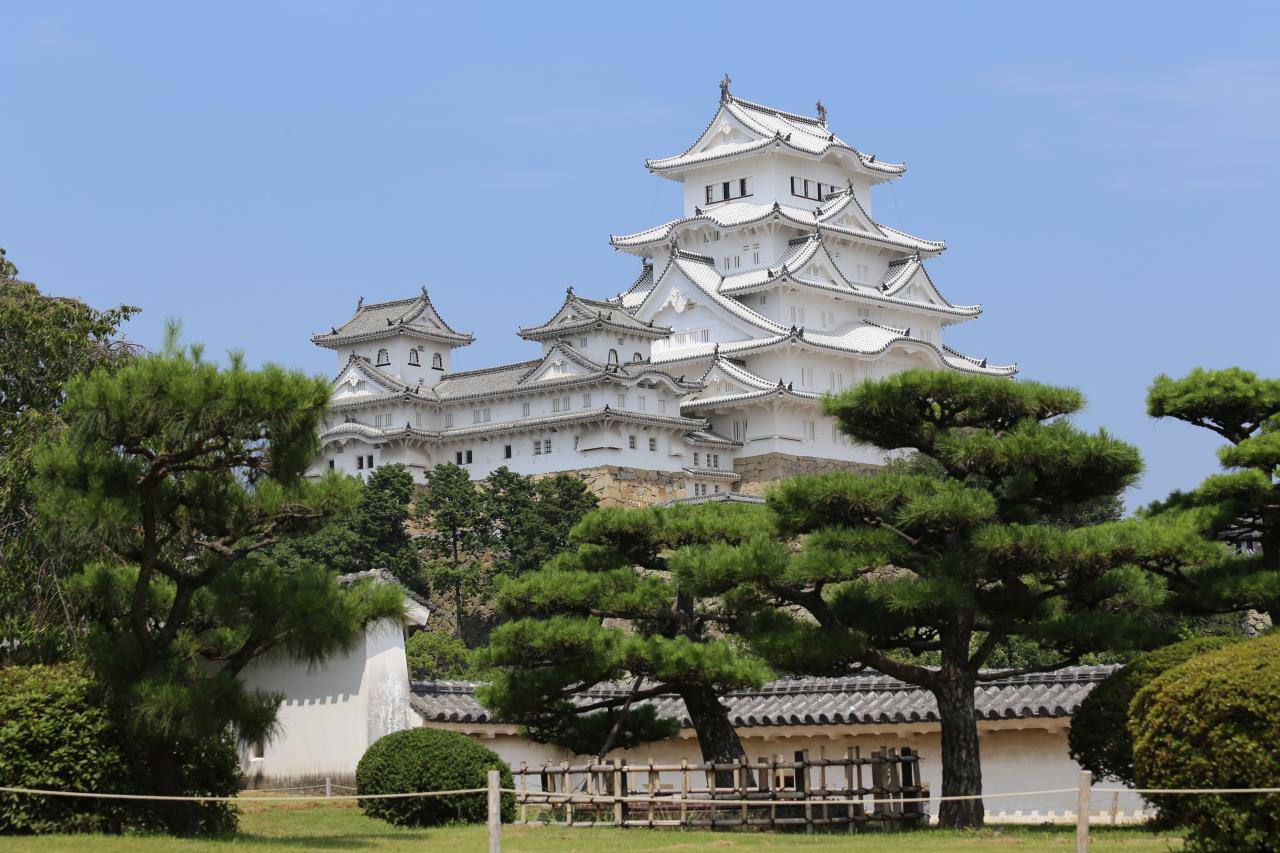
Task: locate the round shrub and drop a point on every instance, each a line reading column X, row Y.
column 1099, row 736
column 1214, row 722
column 53, row 736
column 425, row 759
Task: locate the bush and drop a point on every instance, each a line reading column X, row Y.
column 436, row 654
column 1214, row 722
column 53, row 736
column 1099, row 737
column 425, row 759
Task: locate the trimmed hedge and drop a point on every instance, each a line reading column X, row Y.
column 53, row 736
column 1214, row 722
column 1099, row 737
column 425, row 759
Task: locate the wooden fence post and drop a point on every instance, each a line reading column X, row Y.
column 802, row 786
column 495, row 812
column 1082, row 812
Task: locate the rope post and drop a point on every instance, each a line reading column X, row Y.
column 328, row 786
column 1082, row 812
column 495, row 813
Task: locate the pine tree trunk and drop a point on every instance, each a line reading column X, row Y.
column 166, row 780
column 1271, row 554
column 717, row 737
column 961, row 767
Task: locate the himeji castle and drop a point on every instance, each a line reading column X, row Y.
column 774, row 287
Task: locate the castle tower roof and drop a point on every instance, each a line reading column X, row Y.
column 415, row 317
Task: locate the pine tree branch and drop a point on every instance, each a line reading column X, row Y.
column 995, row 675
column 651, row 692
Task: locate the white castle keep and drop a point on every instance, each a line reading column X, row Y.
column 705, row 376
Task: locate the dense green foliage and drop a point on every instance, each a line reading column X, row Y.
column 1242, row 504
column 1099, row 739
column 171, row 482
column 434, row 654
column 974, row 549
column 658, row 638
column 426, row 759
column 1214, row 722
column 503, row 526
column 44, row 342
column 52, row 735
column 374, row 534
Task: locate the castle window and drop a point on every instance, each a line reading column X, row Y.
column 641, row 401
column 369, row 462
column 537, row 447
column 330, row 464
column 359, row 463
column 695, row 459
column 653, row 445
column 546, row 446
column 711, row 193
column 582, row 343
column 740, row 430
column 463, row 457
column 586, row 401
column 635, row 356
column 448, row 419
column 506, row 451
column 413, row 358
column 383, row 358
column 631, row 442
column 809, row 430
column 622, row 401
column 257, row 750
column 662, row 405
column 613, row 358
column 524, row 410
column 437, row 361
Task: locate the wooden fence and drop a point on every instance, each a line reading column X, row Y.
column 770, row 792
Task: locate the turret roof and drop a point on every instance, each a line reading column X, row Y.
column 578, row 313
column 507, row 379
column 739, row 214
column 804, row 135
column 861, row 337
column 415, row 316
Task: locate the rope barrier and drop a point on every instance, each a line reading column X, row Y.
column 604, row 798
column 89, row 794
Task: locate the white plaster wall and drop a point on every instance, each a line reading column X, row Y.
column 333, row 711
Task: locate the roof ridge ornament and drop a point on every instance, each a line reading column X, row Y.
column 359, row 303
column 724, row 88
column 822, row 113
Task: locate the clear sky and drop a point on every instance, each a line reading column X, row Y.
column 1105, row 174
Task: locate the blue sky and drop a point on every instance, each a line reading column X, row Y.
column 1104, row 173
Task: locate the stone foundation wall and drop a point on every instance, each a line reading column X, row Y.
column 618, row 486
column 759, row 471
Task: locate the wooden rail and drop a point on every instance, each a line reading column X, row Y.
column 769, row 792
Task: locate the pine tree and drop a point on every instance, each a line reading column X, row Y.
column 609, row 610
column 172, row 480
column 530, row 519
column 1240, row 505
column 459, row 533
column 952, row 560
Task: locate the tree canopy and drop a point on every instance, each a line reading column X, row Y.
column 1240, row 505
column 952, row 560
column 611, row 612
column 45, row 341
column 172, row 480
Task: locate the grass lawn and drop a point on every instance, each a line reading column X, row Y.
column 322, row 826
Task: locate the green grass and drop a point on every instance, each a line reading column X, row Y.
column 321, row 826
